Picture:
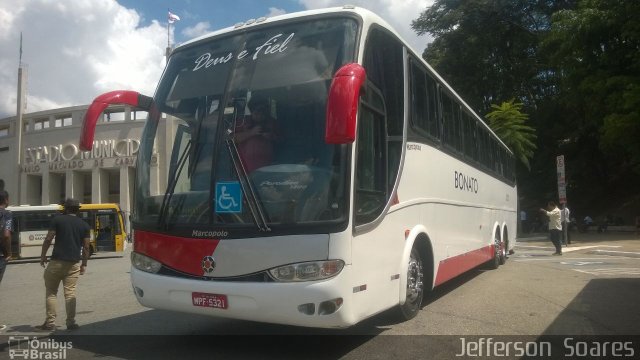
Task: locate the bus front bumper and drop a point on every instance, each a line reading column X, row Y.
column 273, row 302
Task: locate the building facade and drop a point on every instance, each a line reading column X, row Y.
column 44, row 165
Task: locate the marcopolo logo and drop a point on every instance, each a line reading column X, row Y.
column 23, row 347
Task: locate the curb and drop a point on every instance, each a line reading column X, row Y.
column 615, row 253
column 532, row 238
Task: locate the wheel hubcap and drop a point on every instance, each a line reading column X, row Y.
column 414, row 279
column 499, row 245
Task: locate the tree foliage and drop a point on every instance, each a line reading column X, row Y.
column 508, row 122
column 488, row 49
column 574, row 65
column 596, row 49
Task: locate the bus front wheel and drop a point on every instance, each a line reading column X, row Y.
column 415, row 286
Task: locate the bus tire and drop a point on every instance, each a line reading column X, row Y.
column 498, row 248
column 415, row 286
column 504, row 252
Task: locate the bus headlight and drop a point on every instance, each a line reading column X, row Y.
column 145, row 263
column 307, row 271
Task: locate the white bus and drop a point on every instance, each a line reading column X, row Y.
column 30, row 227
column 375, row 181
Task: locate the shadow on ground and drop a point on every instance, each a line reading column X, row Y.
column 603, row 307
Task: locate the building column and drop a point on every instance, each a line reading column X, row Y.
column 75, row 185
column 21, row 198
column 104, row 186
column 69, row 185
column 55, row 184
column 32, row 194
column 125, row 201
column 96, row 185
column 46, row 186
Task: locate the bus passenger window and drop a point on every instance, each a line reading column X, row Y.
column 370, row 172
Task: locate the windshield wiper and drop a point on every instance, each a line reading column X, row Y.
column 166, row 200
column 197, row 145
column 252, row 200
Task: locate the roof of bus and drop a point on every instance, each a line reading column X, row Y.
column 34, row 207
column 59, row 207
column 365, row 14
column 100, row 206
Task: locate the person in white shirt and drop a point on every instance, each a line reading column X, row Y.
column 555, row 226
column 565, row 216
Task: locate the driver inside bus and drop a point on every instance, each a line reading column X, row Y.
column 256, row 134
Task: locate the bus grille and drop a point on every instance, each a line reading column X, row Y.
column 258, row 277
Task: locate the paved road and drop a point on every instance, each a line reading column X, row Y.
column 580, row 293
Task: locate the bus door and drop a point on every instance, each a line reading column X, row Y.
column 105, row 231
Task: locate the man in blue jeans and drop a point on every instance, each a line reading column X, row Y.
column 6, row 228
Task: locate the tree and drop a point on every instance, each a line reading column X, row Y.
column 487, row 50
column 508, row 122
column 574, row 65
column 595, row 49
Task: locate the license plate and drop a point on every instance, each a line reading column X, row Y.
column 209, row 300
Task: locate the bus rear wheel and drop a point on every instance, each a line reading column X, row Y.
column 499, row 256
column 415, row 286
column 504, row 252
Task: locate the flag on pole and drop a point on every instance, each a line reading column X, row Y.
column 173, row 17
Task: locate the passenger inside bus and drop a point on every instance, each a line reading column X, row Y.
column 256, row 134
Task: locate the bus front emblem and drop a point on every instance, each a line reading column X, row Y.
column 208, row 264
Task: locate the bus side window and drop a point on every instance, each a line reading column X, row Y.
column 380, row 125
column 371, row 169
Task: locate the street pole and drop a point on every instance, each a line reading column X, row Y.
column 20, row 107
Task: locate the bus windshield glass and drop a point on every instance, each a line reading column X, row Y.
column 246, row 121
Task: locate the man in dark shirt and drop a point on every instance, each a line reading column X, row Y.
column 71, row 246
column 6, row 227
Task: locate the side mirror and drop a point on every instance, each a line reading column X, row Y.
column 124, row 97
column 342, row 104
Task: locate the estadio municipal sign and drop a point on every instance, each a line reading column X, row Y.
column 105, row 153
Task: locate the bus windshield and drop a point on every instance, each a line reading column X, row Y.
column 246, row 116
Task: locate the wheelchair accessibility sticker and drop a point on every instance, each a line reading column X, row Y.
column 228, row 197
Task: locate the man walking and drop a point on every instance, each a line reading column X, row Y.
column 555, row 228
column 72, row 245
column 6, row 228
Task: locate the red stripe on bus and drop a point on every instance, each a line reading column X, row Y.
column 452, row 267
column 179, row 253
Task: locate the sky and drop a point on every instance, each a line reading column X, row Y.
column 74, row 50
